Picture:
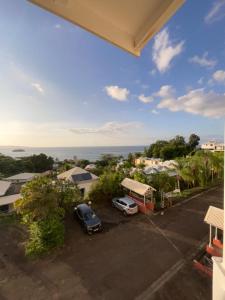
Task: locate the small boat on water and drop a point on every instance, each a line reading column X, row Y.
column 18, row 150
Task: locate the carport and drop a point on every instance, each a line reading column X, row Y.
column 214, row 218
column 141, row 193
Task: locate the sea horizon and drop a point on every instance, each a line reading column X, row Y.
column 91, row 153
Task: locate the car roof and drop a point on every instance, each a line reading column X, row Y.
column 127, row 200
column 84, row 207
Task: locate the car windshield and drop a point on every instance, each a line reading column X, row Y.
column 89, row 215
column 132, row 205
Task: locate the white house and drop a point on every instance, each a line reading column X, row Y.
column 84, row 179
column 213, row 146
column 148, row 162
column 90, row 167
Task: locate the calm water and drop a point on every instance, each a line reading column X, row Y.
column 90, row 153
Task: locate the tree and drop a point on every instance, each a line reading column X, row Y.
column 107, row 187
column 38, row 163
column 42, row 207
column 130, row 159
column 82, row 163
column 193, row 141
column 140, row 177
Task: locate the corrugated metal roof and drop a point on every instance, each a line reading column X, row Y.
column 4, row 186
column 9, row 199
column 23, row 176
column 215, row 217
column 137, row 187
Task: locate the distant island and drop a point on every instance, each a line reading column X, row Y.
column 18, row 150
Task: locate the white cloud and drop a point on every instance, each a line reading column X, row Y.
column 108, row 128
column 155, row 112
column 145, row 99
column 165, row 91
column 117, row 93
column 25, row 79
column 198, row 102
column 217, row 12
column 38, row 87
column 203, row 61
column 58, row 26
column 219, row 76
column 164, row 51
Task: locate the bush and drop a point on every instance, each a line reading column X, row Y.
column 45, row 236
column 107, row 187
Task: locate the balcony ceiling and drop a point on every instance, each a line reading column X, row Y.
column 128, row 24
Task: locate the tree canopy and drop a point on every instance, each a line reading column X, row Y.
column 35, row 163
column 42, row 207
column 176, row 147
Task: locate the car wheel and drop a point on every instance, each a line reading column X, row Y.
column 125, row 213
column 89, row 232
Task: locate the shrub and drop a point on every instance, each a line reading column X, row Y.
column 45, row 236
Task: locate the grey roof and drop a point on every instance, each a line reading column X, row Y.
column 23, row 176
column 4, row 186
column 9, row 199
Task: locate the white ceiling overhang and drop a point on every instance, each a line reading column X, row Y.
column 128, row 24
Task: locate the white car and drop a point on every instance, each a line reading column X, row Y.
column 126, row 205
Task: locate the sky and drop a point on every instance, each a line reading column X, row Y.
column 62, row 86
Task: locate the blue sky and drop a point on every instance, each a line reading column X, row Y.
column 62, row 86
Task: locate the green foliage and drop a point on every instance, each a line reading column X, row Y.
column 38, row 163
column 193, row 141
column 176, row 147
column 201, row 169
column 82, row 163
column 45, row 235
column 163, row 182
column 42, row 208
column 107, row 187
column 138, row 176
column 108, row 160
column 10, row 166
column 130, row 159
column 35, row 163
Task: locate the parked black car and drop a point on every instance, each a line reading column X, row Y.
column 87, row 218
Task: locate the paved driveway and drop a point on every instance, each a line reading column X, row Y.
column 138, row 257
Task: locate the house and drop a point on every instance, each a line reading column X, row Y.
column 84, row 179
column 22, row 177
column 90, row 167
column 148, row 162
column 9, row 194
column 156, row 165
column 213, row 146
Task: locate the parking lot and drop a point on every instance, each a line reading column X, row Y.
column 136, row 257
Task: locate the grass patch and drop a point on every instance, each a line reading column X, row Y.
column 190, row 192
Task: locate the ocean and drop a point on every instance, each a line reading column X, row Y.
column 90, row 153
